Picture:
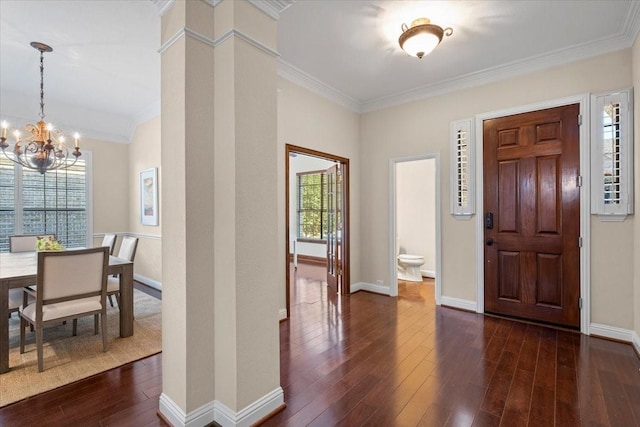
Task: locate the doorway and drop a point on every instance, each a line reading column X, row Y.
column 317, row 231
column 415, row 227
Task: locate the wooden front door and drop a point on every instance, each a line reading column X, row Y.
column 532, row 215
column 334, row 227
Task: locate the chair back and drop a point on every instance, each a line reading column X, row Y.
column 25, row 242
column 72, row 274
column 110, row 241
column 128, row 248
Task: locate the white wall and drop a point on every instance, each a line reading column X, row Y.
column 423, row 126
column 415, row 211
column 302, row 163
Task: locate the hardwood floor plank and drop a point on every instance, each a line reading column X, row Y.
column 618, row 406
column 516, row 410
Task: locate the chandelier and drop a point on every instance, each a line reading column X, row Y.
column 43, row 149
column 422, row 37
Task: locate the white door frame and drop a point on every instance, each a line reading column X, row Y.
column 585, row 193
column 393, row 263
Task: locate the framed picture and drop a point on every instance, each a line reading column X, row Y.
column 149, row 196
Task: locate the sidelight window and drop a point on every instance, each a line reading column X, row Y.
column 462, row 169
column 612, row 155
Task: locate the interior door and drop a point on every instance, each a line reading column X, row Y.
column 532, row 215
column 334, row 225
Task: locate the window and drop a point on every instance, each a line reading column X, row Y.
column 53, row 203
column 462, row 167
column 312, row 202
column 612, row 145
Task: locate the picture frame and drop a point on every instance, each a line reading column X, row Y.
column 149, row 196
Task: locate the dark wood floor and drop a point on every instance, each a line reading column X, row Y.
column 125, row 396
column 373, row 360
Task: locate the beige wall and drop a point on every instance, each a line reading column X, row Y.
column 423, row 126
column 144, row 153
column 311, row 121
column 116, row 189
column 636, row 247
column 110, row 186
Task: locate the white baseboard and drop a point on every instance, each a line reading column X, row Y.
column 428, row 273
column 370, row 287
column 462, row 304
column 282, row 314
column 178, row 418
column 147, row 281
column 250, row 414
column 636, row 342
column 611, row 332
column 220, row 413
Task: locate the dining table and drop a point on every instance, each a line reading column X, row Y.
column 19, row 269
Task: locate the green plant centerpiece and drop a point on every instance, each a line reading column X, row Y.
column 48, row 244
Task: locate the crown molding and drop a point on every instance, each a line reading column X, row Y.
column 624, row 39
column 273, row 8
column 163, row 5
column 502, row 72
column 632, row 24
column 299, row 77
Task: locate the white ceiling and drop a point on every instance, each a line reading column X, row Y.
column 103, row 77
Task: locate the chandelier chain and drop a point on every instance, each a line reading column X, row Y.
column 41, row 85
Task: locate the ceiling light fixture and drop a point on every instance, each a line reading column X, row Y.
column 422, row 37
column 44, row 149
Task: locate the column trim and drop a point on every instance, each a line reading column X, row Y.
column 216, row 42
column 220, row 413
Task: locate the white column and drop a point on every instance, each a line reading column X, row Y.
column 222, row 270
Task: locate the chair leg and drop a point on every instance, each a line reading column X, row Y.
column 110, row 300
column 118, row 299
column 75, row 327
column 103, row 320
column 23, row 324
column 39, row 347
column 95, row 324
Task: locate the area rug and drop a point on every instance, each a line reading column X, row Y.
column 68, row 359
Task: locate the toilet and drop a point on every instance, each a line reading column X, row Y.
column 409, row 267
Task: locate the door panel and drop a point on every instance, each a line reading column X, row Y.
column 532, row 259
column 334, row 227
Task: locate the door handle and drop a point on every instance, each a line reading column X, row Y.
column 490, row 241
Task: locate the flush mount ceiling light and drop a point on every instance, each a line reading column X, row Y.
column 422, row 37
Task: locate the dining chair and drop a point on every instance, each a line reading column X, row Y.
column 25, row 242
column 21, row 243
column 127, row 252
column 70, row 284
column 15, row 299
column 110, row 241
